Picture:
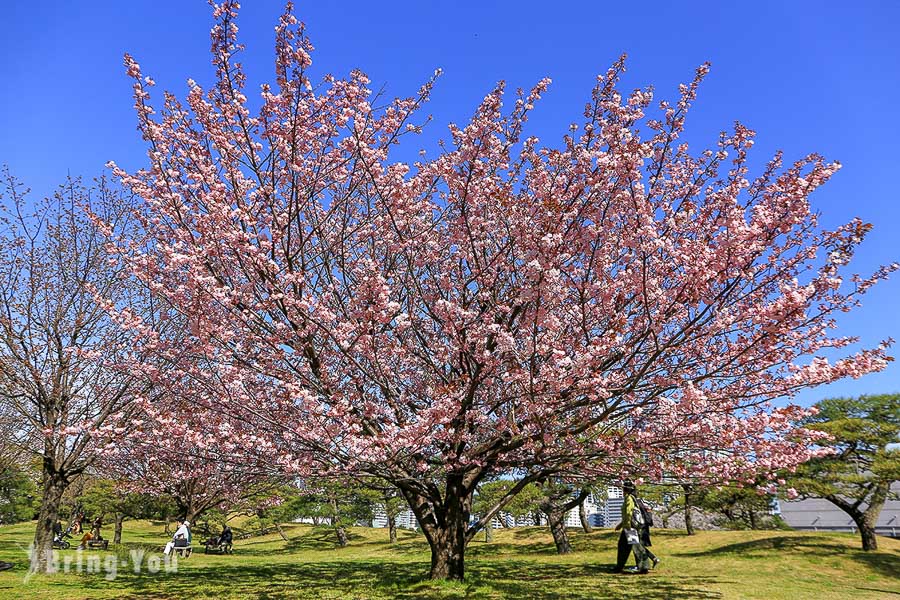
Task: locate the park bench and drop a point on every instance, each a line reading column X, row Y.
column 182, row 548
column 98, row 544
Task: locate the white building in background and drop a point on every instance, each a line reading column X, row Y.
column 814, row 514
column 405, row 520
column 594, row 507
column 601, row 512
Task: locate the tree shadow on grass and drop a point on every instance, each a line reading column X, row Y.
column 407, row 580
column 498, row 548
column 541, row 546
column 883, row 562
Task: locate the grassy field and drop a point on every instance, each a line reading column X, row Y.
column 520, row 563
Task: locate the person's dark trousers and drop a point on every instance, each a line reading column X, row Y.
column 623, row 551
column 645, row 542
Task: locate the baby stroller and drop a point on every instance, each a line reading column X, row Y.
column 59, row 539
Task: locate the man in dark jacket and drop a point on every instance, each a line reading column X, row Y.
column 645, row 531
column 226, row 537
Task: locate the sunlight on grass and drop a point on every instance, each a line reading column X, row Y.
column 520, row 563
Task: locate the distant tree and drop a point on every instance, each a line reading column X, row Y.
column 342, row 503
column 19, row 496
column 189, row 466
column 742, row 507
column 558, row 498
column 857, row 477
column 673, row 498
column 526, row 502
column 667, row 500
column 269, row 508
column 160, row 507
column 393, row 504
column 487, row 495
column 57, row 342
column 104, row 497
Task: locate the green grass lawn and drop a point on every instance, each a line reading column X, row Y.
column 520, row 563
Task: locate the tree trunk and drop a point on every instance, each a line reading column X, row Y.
column 281, row 531
column 557, row 522
column 445, row 524
column 866, row 525
column 42, row 555
column 341, row 535
column 448, row 555
column 582, row 515
column 336, row 523
column 489, row 531
column 867, row 533
column 752, row 518
column 117, row 532
column 192, row 516
column 688, row 520
column 392, row 529
column 865, row 521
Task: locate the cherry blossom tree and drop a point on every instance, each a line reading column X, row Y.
column 504, row 306
column 193, row 464
column 58, row 345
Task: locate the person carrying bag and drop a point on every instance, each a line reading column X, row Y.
column 630, row 539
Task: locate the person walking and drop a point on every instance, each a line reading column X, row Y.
column 630, row 540
column 96, row 526
column 76, row 524
column 647, row 516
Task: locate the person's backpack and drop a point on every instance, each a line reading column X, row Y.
column 637, row 517
column 646, row 513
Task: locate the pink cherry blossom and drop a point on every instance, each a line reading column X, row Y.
column 609, row 303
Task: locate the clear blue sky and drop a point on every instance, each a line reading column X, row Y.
column 808, row 76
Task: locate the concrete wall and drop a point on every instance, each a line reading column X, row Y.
column 818, row 514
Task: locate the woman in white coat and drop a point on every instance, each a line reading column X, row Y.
column 183, row 532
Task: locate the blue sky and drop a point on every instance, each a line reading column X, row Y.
column 807, row 76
